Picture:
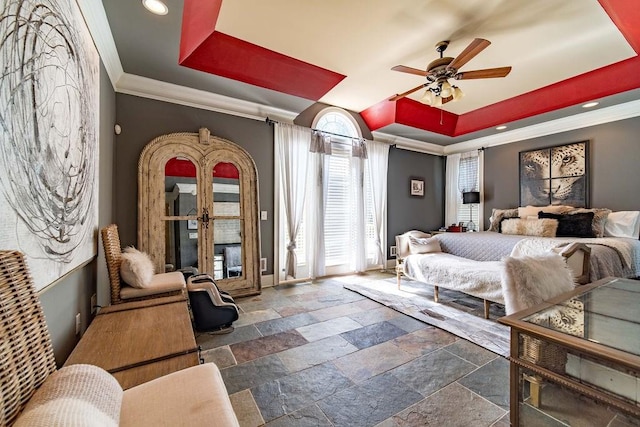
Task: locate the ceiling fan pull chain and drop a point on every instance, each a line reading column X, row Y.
column 441, row 117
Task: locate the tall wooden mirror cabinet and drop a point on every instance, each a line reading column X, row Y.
column 198, row 209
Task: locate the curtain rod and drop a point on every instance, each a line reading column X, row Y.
column 270, row 121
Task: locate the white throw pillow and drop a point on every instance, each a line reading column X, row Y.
column 136, row 268
column 423, row 245
column 545, row 227
column 527, row 281
column 76, row 395
column 623, row 224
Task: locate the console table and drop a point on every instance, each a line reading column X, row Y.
column 586, row 340
column 139, row 341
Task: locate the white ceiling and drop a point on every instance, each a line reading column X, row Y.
column 545, row 41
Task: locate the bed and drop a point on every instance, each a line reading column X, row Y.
column 610, row 256
column 471, row 262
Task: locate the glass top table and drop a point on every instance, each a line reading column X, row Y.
column 608, row 314
column 586, row 340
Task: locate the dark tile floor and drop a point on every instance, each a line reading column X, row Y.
column 320, row 355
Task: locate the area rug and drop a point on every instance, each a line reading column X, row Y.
column 456, row 312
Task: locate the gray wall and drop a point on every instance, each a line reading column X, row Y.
column 614, row 171
column 406, row 212
column 72, row 294
column 143, row 119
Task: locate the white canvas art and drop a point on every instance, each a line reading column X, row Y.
column 49, row 112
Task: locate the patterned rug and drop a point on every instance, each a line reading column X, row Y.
column 458, row 313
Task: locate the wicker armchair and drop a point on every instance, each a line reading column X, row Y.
column 26, row 353
column 162, row 285
column 34, row 392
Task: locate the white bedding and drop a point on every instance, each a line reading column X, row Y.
column 478, row 278
column 611, row 256
column 615, row 256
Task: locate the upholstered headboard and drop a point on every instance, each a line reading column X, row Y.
column 402, row 242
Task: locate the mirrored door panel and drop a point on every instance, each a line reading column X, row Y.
column 181, row 246
column 227, row 219
column 226, row 190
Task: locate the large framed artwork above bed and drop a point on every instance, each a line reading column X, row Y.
column 555, row 175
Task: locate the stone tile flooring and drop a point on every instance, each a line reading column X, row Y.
column 316, row 354
column 319, row 355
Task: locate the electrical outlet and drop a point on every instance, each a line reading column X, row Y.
column 392, row 251
column 78, row 323
column 263, row 264
column 94, row 303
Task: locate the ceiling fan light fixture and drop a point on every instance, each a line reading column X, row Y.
column 437, row 101
column 155, row 6
column 457, row 93
column 427, row 98
column 445, row 89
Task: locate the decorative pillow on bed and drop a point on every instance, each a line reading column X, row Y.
column 136, row 268
column 530, row 227
column 524, row 212
column 599, row 219
column 424, row 245
column 623, row 224
column 572, row 224
column 497, row 215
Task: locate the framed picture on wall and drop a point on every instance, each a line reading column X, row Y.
column 417, row 187
column 555, row 175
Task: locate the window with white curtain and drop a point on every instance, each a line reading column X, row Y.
column 468, row 180
column 349, row 190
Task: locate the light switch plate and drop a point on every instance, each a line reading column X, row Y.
column 263, row 215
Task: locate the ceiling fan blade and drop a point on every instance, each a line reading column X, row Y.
column 474, row 48
column 488, row 73
column 448, row 99
column 405, row 69
column 409, row 92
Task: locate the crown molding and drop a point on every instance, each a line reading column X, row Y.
column 98, row 24
column 131, row 84
column 577, row 121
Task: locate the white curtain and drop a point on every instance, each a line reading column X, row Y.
column 319, row 179
column 359, row 259
column 481, row 189
column 377, row 165
column 292, row 148
column 452, row 194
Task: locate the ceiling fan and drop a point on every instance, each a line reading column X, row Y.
column 439, row 71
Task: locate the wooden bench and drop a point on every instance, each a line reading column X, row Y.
column 139, row 341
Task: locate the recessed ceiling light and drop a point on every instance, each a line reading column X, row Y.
column 503, row 127
column 156, row 6
column 590, row 104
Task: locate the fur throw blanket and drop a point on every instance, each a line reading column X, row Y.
column 527, row 281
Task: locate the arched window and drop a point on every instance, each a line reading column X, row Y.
column 337, row 121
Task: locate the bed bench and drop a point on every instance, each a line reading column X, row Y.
column 481, row 279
